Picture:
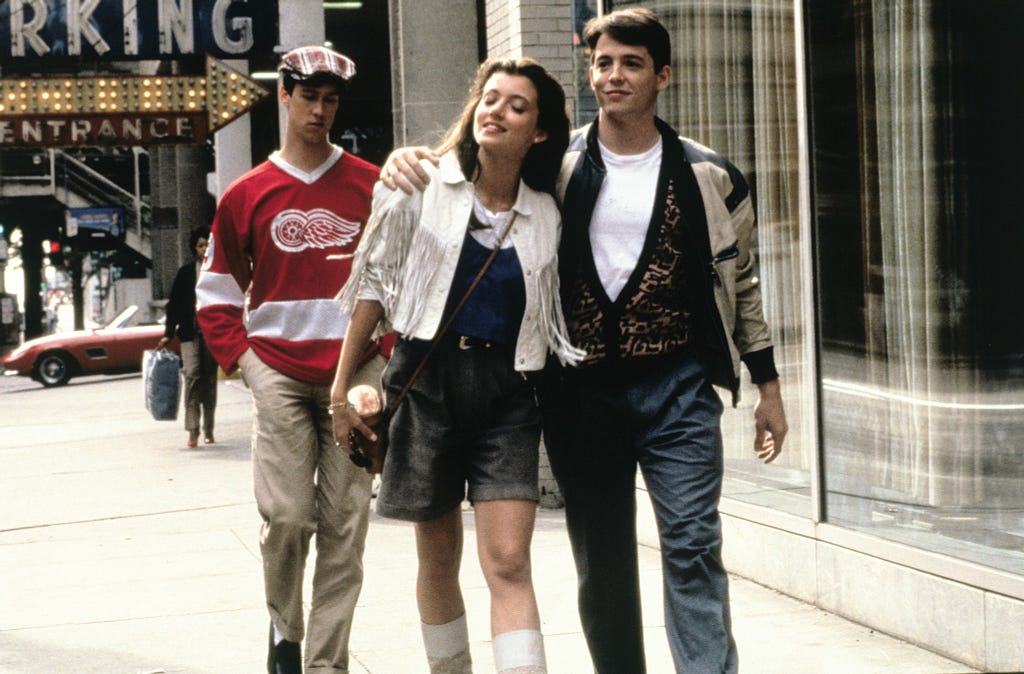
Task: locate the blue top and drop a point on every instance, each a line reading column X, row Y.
column 495, row 309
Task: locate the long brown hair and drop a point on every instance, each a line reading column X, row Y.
column 543, row 160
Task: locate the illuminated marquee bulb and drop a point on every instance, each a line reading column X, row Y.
column 230, row 95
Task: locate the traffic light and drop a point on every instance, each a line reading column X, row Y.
column 55, row 252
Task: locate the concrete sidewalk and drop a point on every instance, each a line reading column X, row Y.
column 121, row 551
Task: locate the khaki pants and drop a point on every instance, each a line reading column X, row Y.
column 200, row 372
column 305, row 484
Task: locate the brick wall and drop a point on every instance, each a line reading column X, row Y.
column 541, row 29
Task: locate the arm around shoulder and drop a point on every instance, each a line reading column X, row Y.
column 403, row 169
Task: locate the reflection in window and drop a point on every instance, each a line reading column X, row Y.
column 734, row 89
column 586, row 104
column 916, row 135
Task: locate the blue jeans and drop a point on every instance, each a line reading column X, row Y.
column 663, row 415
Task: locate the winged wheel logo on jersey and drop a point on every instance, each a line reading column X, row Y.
column 294, row 230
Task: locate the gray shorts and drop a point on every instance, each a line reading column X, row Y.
column 469, row 418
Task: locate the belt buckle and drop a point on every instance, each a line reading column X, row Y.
column 467, row 342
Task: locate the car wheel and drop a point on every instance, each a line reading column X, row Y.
column 54, row 368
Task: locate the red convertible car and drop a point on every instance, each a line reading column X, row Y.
column 115, row 348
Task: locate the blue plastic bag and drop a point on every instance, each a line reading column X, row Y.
column 162, row 385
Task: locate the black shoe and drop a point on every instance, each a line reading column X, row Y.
column 283, row 658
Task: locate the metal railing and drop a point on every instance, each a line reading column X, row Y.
column 71, row 175
column 74, row 183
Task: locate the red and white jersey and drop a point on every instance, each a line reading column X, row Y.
column 287, row 237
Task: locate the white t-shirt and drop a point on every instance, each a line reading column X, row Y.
column 495, row 223
column 622, row 214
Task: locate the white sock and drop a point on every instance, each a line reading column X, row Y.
column 520, row 651
column 447, row 647
column 278, row 637
column 444, row 641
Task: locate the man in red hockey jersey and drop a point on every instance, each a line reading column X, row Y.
column 283, row 235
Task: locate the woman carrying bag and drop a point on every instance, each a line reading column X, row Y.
column 470, row 416
column 197, row 363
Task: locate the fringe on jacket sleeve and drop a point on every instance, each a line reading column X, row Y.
column 552, row 320
column 396, row 259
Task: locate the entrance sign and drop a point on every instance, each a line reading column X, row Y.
column 123, row 110
column 106, row 130
column 136, row 29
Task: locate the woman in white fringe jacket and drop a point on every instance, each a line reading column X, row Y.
column 470, row 424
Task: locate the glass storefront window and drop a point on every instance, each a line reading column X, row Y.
column 585, row 103
column 734, row 89
column 916, row 138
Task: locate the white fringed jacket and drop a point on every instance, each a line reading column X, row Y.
column 411, row 246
